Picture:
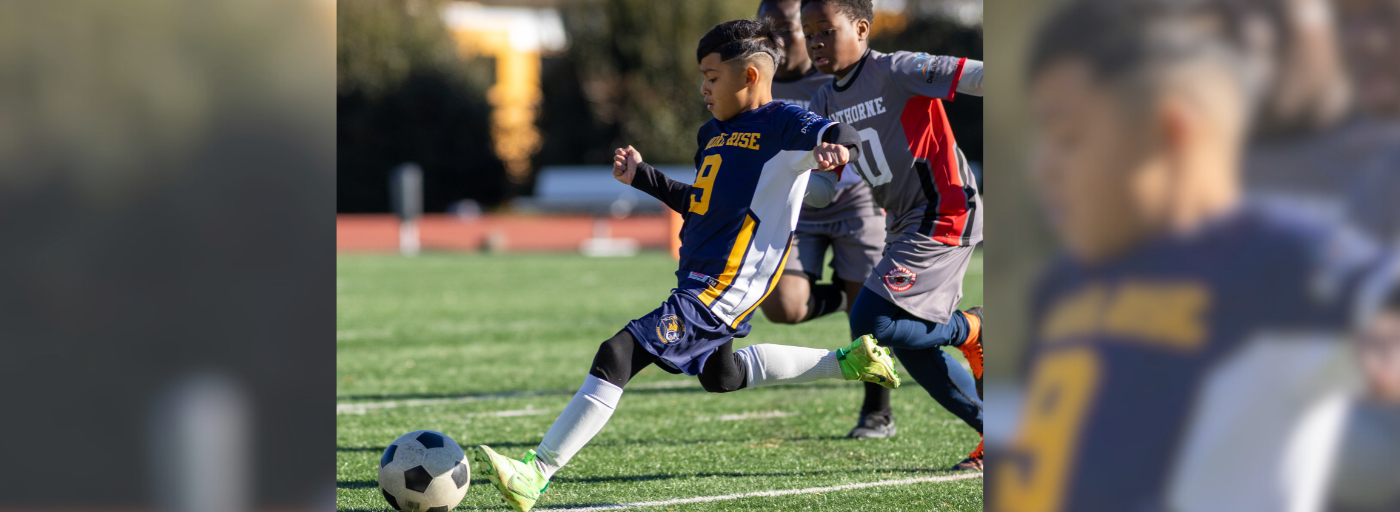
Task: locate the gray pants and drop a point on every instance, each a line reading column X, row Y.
column 855, row 245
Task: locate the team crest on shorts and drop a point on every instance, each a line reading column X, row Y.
column 669, row 329
column 900, row 279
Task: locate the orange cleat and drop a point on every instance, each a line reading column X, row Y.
column 972, row 348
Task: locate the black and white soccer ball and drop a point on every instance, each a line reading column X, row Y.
column 424, row 471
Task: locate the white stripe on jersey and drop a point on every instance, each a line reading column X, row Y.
column 776, row 203
column 1266, row 424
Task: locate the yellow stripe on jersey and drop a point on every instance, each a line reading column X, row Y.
column 772, row 283
column 731, row 267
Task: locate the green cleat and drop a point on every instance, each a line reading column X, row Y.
column 865, row 361
column 519, row 481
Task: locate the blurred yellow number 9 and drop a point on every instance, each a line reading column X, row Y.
column 1060, row 392
column 704, row 180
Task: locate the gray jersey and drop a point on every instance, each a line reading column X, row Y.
column 852, row 196
column 801, row 91
column 908, row 155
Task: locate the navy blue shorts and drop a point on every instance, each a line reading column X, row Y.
column 683, row 333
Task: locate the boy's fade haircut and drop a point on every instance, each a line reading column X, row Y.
column 742, row 39
column 853, row 9
column 1126, row 39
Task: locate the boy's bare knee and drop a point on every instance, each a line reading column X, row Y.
column 788, row 302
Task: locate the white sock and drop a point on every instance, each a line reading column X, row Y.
column 782, row 364
column 582, row 419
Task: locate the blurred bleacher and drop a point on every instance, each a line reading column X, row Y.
column 592, row 190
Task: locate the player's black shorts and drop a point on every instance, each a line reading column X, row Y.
column 683, row 333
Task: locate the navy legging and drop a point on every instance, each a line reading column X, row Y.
column 918, row 344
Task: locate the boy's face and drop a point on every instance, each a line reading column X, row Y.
column 835, row 41
column 724, row 85
column 1086, row 162
column 787, row 25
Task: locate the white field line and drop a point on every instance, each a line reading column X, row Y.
column 507, row 414
column 755, row 416
column 364, row 407
column 706, row 499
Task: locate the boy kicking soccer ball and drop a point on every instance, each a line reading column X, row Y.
column 756, row 163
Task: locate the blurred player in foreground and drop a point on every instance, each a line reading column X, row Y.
column 852, row 226
column 1368, row 472
column 1189, row 348
column 933, row 212
column 754, row 166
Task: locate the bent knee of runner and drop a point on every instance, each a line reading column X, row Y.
column 724, row 372
column 869, row 316
column 613, row 361
column 721, row 383
column 787, row 304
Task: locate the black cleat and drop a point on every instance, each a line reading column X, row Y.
column 874, row 425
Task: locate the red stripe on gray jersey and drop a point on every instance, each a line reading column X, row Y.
column 909, row 155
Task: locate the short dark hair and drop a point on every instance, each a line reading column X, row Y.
column 763, row 3
column 853, row 9
column 1118, row 38
column 740, row 38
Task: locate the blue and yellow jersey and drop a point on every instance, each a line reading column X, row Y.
column 1182, row 376
column 751, row 175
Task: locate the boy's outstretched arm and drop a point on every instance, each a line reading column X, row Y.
column 840, row 144
column 971, row 82
column 629, row 169
column 936, row 76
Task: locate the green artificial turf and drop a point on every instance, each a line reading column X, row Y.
column 488, row 349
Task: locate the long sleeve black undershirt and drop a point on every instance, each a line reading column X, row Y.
column 845, row 135
column 674, row 193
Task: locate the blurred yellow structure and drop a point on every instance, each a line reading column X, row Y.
column 516, row 38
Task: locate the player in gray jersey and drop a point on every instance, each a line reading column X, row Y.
column 933, row 210
column 852, row 226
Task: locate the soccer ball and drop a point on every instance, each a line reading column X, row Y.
column 424, row 471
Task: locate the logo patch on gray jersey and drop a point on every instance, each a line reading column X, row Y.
column 900, row 279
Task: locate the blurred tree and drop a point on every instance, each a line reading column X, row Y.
column 405, row 95
column 630, row 76
column 635, row 60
